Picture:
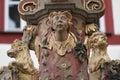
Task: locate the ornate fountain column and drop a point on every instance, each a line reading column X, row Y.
column 57, row 31
column 61, row 32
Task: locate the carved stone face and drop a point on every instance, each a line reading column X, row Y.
column 98, row 40
column 15, row 49
column 60, row 24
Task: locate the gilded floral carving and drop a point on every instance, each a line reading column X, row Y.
column 93, row 4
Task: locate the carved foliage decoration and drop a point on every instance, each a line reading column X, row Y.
column 112, row 69
column 93, row 4
column 26, row 6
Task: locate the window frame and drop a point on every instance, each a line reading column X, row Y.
column 113, row 39
column 6, row 18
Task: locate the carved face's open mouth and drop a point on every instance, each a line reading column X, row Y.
column 10, row 53
column 60, row 27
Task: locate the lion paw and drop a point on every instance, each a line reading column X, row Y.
column 11, row 64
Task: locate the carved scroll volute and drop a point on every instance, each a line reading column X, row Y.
column 94, row 4
column 28, row 6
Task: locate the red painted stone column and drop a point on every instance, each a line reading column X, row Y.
column 1, row 15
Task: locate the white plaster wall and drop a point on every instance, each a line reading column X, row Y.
column 114, row 51
column 116, row 15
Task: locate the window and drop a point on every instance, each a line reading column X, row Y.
column 102, row 24
column 116, row 16
column 13, row 23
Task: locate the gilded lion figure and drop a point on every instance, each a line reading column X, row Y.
column 98, row 43
column 23, row 62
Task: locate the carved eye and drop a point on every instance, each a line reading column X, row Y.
column 19, row 49
column 63, row 18
column 56, row 17
column 13, row 46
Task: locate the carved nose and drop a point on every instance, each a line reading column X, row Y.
column 59, row 20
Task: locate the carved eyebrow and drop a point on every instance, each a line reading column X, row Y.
column 63, row 17
column 55, row 17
